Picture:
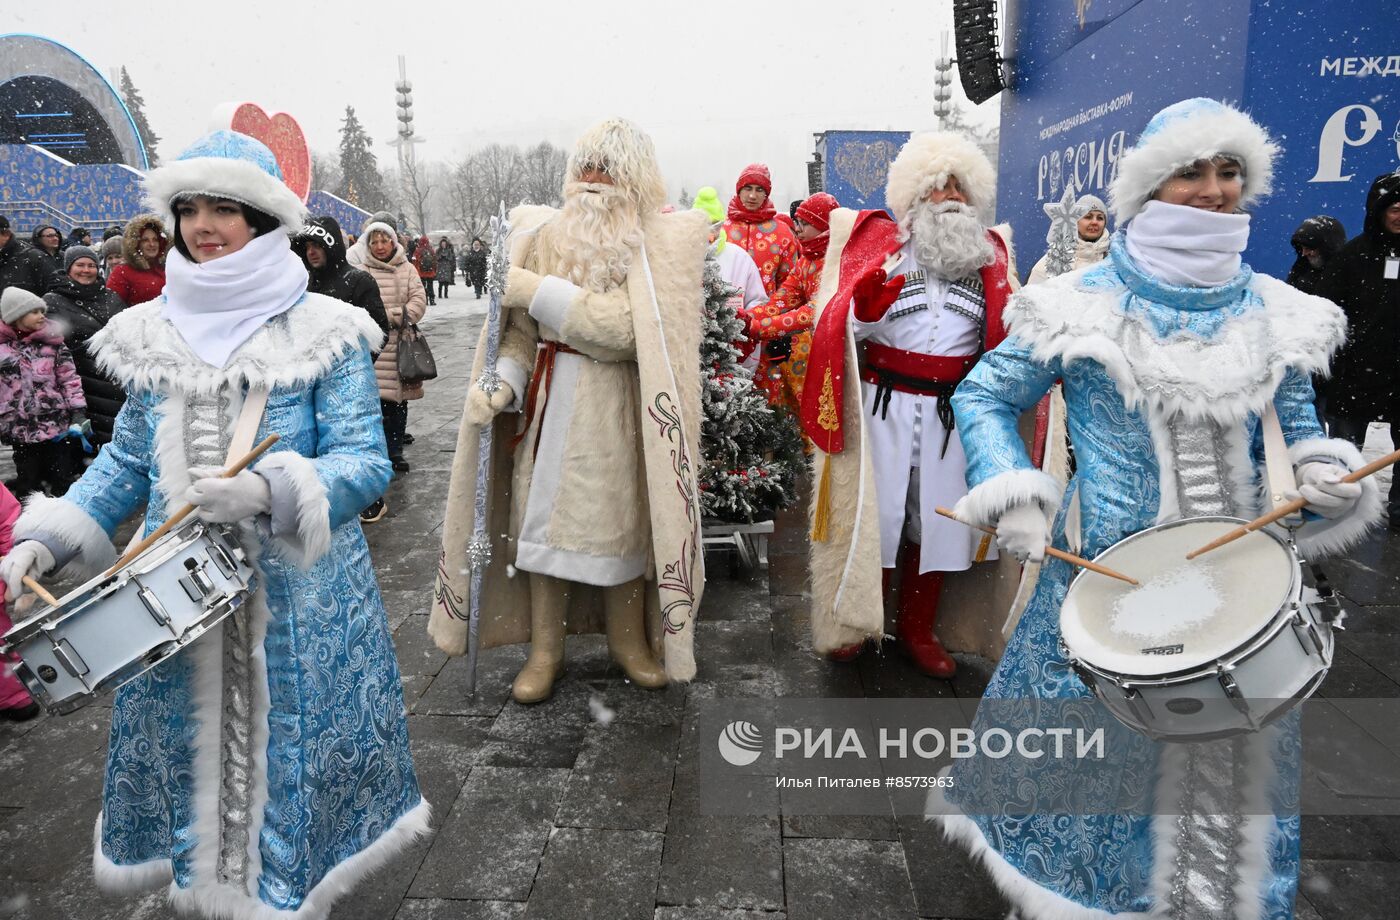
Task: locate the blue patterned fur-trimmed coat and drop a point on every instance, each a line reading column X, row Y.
column 265, row 769
column 1155, row 379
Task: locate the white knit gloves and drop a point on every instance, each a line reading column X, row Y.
column 30, row 558
column 1320, row 485
column 1024, row 532
column 227, row 501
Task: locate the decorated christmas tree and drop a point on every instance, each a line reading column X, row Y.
column 752, row 452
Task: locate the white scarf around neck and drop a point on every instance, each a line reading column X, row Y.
column 1187, row 247
column 216, row 306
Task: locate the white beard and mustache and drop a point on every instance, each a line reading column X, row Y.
column 594, row 235
column 948, row 239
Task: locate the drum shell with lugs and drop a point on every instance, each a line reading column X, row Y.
column 1266, row 646
column 116, row 627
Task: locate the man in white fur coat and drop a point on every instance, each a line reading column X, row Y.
column 919, row 333
column 594, row 506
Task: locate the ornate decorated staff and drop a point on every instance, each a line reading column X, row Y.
column 1063, row 235
column 479, row 549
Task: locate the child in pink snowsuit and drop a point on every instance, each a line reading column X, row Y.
column 16, row 705
column 41, row 395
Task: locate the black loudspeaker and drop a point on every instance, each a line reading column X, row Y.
column 979, row 50
column 814, row 175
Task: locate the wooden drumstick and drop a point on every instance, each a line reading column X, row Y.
column 1283, row 511
column 40, row 591
column 1050, row 551
column 174, row 520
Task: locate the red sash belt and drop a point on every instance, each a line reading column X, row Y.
column 544, row 371
column 912, row 372
column 891, row 369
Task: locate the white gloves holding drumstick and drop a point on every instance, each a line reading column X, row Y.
column 1320, row 485
column 226, row 501
column 1024, row 532
column 30, row 558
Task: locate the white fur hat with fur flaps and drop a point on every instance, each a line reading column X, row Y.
column 1182, row 134
column 926, row 162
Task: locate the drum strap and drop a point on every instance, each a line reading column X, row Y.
column 245, row 429
column 1276, row 465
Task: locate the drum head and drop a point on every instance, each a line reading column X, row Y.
column 1183, row 614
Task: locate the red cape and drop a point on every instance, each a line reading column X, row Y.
column 873, row 238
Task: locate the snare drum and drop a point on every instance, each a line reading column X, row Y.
column 115, row 628
column 1208, row 648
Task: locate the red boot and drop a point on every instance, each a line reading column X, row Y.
column 918, row 611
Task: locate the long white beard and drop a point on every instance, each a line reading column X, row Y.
column 594, row 235
column 948, row 239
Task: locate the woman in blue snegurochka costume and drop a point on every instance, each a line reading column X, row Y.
column 1170, row 350
column 264, row 770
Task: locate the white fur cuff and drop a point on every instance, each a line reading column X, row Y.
column 301, row 510
column 517, row 378
column 63, row 526
column 1339, row 451
column 984, row 505
column 551, row 302
column 1320, row 538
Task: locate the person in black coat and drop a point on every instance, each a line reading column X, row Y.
column 81, row 305
column 474, row 265
column 446, row 266
column 1364, row 280
column 49, row 242
column 23, row 266
column 1316, row 241
column 322, row 248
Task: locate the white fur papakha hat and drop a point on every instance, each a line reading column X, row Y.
column 225, row 164
column 926, row 162
column 1181, row 134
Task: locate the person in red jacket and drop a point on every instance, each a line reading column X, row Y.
column 141, row 276
column 788, row 313
column 752, row 225
column 425, row 261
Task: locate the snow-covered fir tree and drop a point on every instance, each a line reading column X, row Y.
column 752, row 451
column 137, row 107
column 359, row 169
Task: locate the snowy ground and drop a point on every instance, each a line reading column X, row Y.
column 545, row 812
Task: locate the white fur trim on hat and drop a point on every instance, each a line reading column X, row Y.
column 926, row 162
column 1181, row 134
column 221, row 177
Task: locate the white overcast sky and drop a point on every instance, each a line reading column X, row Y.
column 717, row 83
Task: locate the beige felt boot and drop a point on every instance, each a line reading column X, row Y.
column 549, row 601
column 625, row 609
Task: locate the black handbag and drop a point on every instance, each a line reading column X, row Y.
column 415, row 358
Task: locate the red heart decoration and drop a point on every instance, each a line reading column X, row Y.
column 283, row 136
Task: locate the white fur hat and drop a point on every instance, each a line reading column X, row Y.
column 1181, row 134
column 226, row 164
column 926, row 162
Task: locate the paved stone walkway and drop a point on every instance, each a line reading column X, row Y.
column 544, row 812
